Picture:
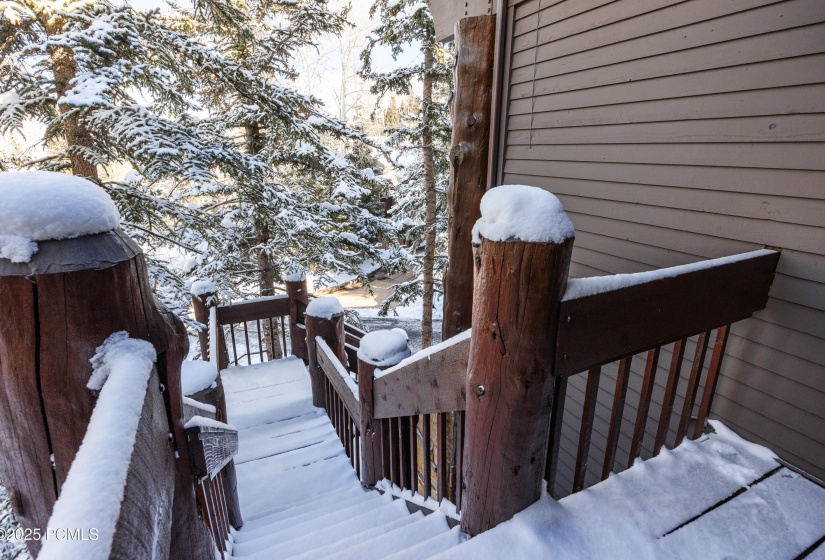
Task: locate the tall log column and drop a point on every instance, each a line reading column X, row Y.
column 324, row 318
column 471, row 109
column 518, row 287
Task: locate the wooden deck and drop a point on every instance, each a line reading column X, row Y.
column 300, row 496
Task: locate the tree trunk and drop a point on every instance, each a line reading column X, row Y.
column 266, row 273
column 430, row 199
column 77, row 135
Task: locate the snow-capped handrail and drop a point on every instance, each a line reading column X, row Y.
column 123, row 476
column 605, row 318
column 341, row 380
column 430, row 381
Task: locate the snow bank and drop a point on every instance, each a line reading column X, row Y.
column 196, row 375
column 426, row 352
column 324, row 307
column 582, row 287
column 41, row 205
column 94, row 489
column 203, row 422
column 522, row 213
column 201, row 287
column 383, row 348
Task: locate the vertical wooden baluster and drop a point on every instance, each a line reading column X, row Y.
column 338, row 415
column 283, row 337
column 260, row 341
column 670, row 394
column 693, row 386
column 414, row 452
column 441, row 468
column 200, row 489
column 217, row 487
column 213, row 518
column 644, row 404
column 272, row 356
column 404, row 451
column 385, row 448
column 393, row 423
column 556, row 420
column 427, row 461
column 591, row 394
column 712, row 379
column 246, row 338
column 348, row 433
column 459, row 457
column 234, row 346
column 619, row 396
column 358, row 441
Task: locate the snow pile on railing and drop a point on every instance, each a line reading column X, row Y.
column 42, row 205
column 583, row 287
column 91, row 497
column 522, row 213
column 426, row 353
column 324, row 307
column 383, row 348
column 197, row 375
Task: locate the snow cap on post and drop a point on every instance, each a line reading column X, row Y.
column 324, row 308
column 294, row 273
column 203, row 287
column 522, row 213
column 43, row 205
column 384, row 348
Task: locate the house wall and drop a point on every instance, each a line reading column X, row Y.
column 675, row 131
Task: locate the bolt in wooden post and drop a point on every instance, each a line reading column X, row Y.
column 296, row 289
column 324, row 318
column 372, row 451
column 518, row 287
column 201, row 305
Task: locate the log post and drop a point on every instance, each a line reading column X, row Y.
column 471, row 109
column 57, row 308
column 520, row 278
column 374, row 352
column 202, row 302
column 324, row 318
column 296, row 289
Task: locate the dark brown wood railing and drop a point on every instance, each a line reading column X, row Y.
column 692, row 308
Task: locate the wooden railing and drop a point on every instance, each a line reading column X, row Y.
column 399, row 408
column 677, row 307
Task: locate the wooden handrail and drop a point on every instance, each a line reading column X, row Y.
column 253, row 309
column 211, row 446
column 428, row 382
column 600, row 328
column 339, row 378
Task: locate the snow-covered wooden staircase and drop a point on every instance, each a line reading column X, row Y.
column 299, row 495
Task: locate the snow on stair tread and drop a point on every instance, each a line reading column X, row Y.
column 316, row 505
column 327, row 532
column 733, row 528
column 309, row 521
column 311, row 451
column 334, row 550
column 398, row 539
column 436, row 544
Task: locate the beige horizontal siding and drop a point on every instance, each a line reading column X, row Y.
column 675, row 131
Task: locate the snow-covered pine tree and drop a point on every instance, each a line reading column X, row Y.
column 423, row 139
column 173, row 96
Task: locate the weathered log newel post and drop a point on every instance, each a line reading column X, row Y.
column 379, row 349
column 523, row 244
column 204, row 298
column 69, row 278
column 324, row 318
column 296, row 289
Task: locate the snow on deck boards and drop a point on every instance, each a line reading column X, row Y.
column 288, row 451
column 718, row 497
